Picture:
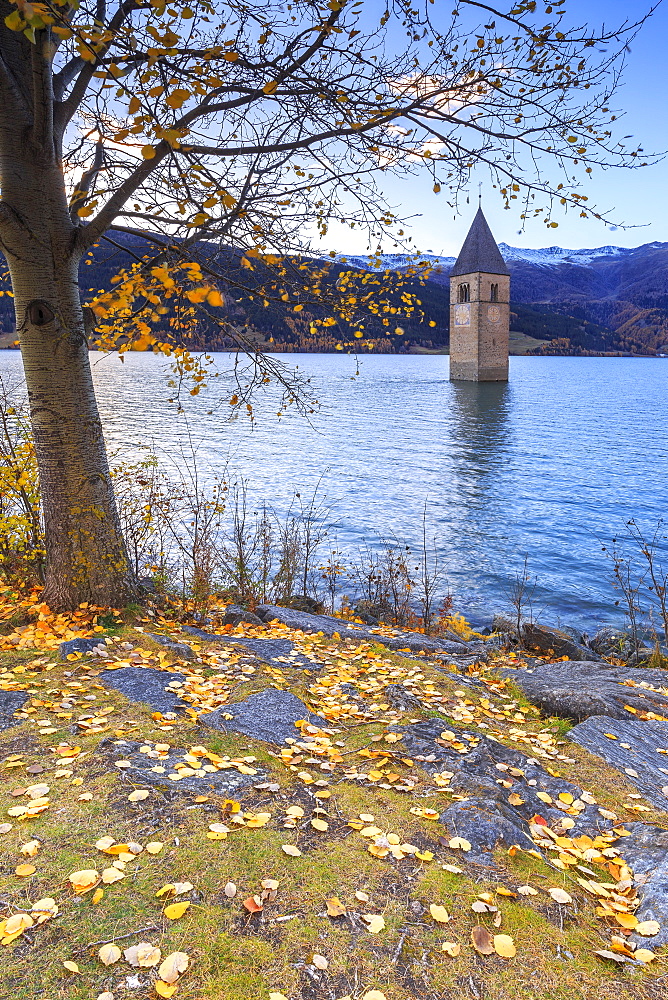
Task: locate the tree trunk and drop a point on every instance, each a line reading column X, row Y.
column 86, row 555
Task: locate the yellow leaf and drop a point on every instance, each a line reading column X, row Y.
column 644, row 955
column 458, row 843
column 24, row 870
column 277, row 996
column 176, row 910
column 176, row 98
column 84, row 880
column 111, row 875
column 71, row 966
column 165, row 989
column 154, row 847
column 294, row 852
column 148, row 152
column 319, row 824
column 173, row 966
column 439, row 913
column 270, row 87
column 335, row 907
column 374, row 995
column 628, row 920
column 451, row 948
column 97, row 896
column 109, row 953
column 138, row 796
column 214, row 298
column 504, row 946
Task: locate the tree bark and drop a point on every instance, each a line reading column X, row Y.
column 86, row 555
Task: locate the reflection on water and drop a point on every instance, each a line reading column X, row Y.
column 550, row 464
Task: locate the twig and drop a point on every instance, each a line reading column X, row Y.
column 400, row 944
column 118, row 937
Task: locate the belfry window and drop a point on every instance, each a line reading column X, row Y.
column 494, row 293
column 464, row 293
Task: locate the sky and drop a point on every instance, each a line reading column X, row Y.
column 637, row 200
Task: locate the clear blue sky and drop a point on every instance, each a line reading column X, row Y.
column 638, row 198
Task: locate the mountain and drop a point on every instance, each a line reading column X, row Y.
column 602, row 300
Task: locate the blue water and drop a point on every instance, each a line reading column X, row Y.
column 550, row 465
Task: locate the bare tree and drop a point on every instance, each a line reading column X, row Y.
column 250, row 124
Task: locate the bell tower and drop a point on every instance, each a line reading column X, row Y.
column 479, row 309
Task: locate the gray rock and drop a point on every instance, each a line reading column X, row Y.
column 640, row 656
column 611, row 641
column 485, row 817
column 577, row 689
column 554, row 640
column 11, row 702
column 181, row 649
column 155, row 771
column 278, row 652
column 328, row 625
column 234, row 615
column 302, row 602
column 646, row 851
column 402, row 698
column 80, row 646
column 146, row 685
column 634, row 752
column 269, row 716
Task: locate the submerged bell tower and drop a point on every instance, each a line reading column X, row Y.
column 479, row 308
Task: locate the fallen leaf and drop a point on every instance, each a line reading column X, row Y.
column 458, row 843
column 527, row 890
column 320, row 962
column 230, row 890
column 374, row 995
column 439, row 913
column 451, row 948
column 106, row 996
column 142, row 955
column 84, row 880
column 154, row 847
column 560, row 896
column 294, row 852
column 109, row 953
column 31, row 848
column 165, row 989
column 24, row 870
column 71, row 966
column 335, row 907
column 482, row 940
column 173, row 966
column 277, row 996
column 138, row 796
column 644, row 955
column 648, row 928
column 252, row 905
column 504, row 946
column 375, row 923
column 319, row 824
column 176, row 910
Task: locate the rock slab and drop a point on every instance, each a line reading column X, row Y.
column 145, row 770
column 80, row 646
column 557, row 641
column 269, row 716
column 11, row 702
column 486, row 818
column 146, row 685
column 349, row 630
column 634, row 751
column 277, row 652
column 181, row 649
column 578, row 689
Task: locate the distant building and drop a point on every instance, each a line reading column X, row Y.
column 479, row 308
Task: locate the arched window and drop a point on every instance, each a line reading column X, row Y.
column 494, row 293
column 463, row 293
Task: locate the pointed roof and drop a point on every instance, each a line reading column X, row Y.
column 479, row 252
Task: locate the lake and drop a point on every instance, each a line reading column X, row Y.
column 549, row 465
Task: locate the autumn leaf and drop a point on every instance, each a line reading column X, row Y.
column 84, row 880
column 560, row 896
column 648, row 928
column 139, row 795
column 71, row 966
column 482, row 940
column 375, row 923
column 504, row 946
column 23, row 871
column 439, row 913
column 165, row 989
column 142, row 955
column 458, row 843
column 292, row 851
column 176, row 910
column 154, row 847
column 320, row 962
column 335, row 907
column 109, row 953
column 252, row 905
column 173, row 966
column 451, row 948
